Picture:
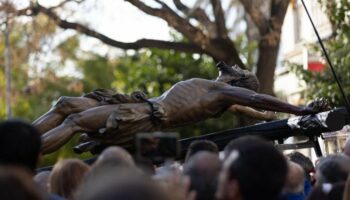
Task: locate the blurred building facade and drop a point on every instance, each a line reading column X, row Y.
column 296, row 41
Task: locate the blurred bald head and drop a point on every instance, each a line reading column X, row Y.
column 204, row 161
column 203, row 169
column 115, row 154
column 295, row 178
column 346, row 149
column 42, row 180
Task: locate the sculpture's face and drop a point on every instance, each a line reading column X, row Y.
column 236, row 76
column 231, row 74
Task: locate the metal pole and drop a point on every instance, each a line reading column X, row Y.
column 8, row 69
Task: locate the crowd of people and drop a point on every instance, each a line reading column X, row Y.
column 249, row 168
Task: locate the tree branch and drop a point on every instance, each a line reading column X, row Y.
column 174, row 20
column 179, row 5
column 278, row 12
column 62, row 3
column 219, row 18
column 257, row 16
column 217, row 48
column 142, row 43
column 198, row 14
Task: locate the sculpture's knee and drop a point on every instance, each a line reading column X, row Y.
column 72, row 120
column 63, row 105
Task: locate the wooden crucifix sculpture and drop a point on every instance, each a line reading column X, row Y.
column 115, row 118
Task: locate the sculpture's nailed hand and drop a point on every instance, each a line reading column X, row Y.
column 317, row 105
column 309, row 122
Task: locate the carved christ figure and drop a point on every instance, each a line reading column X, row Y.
column 116, row 118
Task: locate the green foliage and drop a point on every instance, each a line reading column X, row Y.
column 246, row 50
column 97, row 71
column 154, row 71
column 338, row 47
column 338, row 12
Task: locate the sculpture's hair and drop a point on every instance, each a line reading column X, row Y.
column 112, row 97
column 250, row 81
column 246, row 78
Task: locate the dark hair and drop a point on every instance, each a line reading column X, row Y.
column 260, row 168
column 249, row 81
column 17, row 184
column 120, row 183
column 203, row 170
column 333, row 169
column 334, row 192
column 201, row 145
column 240, row 78
column 303, row 161
column 20, row 144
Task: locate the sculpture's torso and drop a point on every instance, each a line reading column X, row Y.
column 190, row 101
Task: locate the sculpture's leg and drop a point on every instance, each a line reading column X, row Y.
column 64, row 107
column 87, row 121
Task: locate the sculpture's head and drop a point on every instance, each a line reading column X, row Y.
column 236, row 76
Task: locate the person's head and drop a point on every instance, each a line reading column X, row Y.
column 253, row 169
column 332, row 169
column 42, row 180
column 203, row 169
column 327, row 191
column 295, row 179
column 201, row 145
column 20, row 144
column 110, row 158
column 120, row 183
column 304, row 162
column 66, row 177
column 346, row 149
column 116, row 155
column 17, row 184
column 236, row 76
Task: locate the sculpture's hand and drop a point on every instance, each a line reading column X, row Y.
column 316, row 106
column 309, row 123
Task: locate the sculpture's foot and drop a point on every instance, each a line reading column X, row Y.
column 85, row 147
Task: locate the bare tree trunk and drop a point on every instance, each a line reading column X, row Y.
column 270, row 34
column 266, row 66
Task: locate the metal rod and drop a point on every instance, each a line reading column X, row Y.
column 328, row 59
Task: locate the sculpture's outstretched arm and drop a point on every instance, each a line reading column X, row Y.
column 251, row 112
column 238, row 95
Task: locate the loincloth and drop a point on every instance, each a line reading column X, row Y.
column 123, row 124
